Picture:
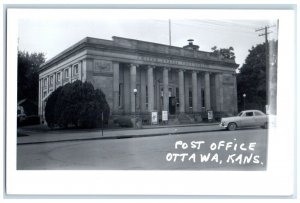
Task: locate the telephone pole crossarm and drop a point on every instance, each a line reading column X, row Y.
column 265, row 33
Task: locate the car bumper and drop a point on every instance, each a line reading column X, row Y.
column 223, row 125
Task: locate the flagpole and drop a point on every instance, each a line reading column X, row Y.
column 170, row 39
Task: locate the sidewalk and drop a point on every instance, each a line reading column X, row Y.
column 39, row 137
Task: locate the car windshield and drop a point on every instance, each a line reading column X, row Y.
column 240, row 114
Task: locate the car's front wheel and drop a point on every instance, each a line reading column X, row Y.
column 231, row 126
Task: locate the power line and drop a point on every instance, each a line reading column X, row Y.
column 214, row 26
column 249, row 24
column 242, row 26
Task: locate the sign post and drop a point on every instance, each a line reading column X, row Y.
column 165, row 116
column 154, row 118
column 210, row 115
column 102, row 122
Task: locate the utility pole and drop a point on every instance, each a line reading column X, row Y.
column 266, row 32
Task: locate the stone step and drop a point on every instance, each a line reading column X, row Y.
column 185, row 119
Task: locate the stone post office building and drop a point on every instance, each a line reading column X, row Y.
column 182, row 81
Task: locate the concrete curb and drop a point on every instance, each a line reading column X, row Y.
column 181, row 126
column 122, row 129
column 113, row 137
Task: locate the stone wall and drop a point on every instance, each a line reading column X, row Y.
column 229, row 95
column 100, row 74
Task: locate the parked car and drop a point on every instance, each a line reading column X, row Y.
column 248, row 118
column 21, row 116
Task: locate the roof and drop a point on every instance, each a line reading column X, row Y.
column 136, row 47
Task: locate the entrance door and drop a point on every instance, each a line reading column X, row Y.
column 172, row 105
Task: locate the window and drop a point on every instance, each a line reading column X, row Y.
column 66, row 73
column 51, row 80
column 58, row 77
column 44, row 94
column 75, row 69
column 249, row 114
column 257, row 113
column 45, row 82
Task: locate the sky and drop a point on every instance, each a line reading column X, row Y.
column 52, row 36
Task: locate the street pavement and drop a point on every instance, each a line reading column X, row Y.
column 244, row 149
column 33, row 136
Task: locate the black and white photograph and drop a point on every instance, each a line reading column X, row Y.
column 119, row 95
column 182, row 94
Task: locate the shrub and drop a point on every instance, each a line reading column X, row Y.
column 77, row 104
column 123, row 121
column 50, row 106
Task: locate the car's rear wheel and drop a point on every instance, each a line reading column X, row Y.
column 265, row 126
column 231, row 126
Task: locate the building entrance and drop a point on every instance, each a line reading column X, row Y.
column 172, row 105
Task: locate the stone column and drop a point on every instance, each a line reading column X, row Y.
column 48, row 84
column 126, row 90
column 235, row 106
column 132, row 86
column 72, row 73
column 80, row 70
column 116, row 90
column 207, row 91
column 40, row 97
column 199, row 88
column 158, row 95
column 181, row 90
column 150, row 88
column 219, row 91
column 54, row 81
column 143, row 82
column 166, row 89
column 83, row 71
column 186, row 85
column 194, row 91
column 89, row 69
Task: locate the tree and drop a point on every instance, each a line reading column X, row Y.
column 77, row 104
column 28, row 78
column 227, row 53
column 251, row 79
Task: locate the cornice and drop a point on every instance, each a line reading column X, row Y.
column 113, row 46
